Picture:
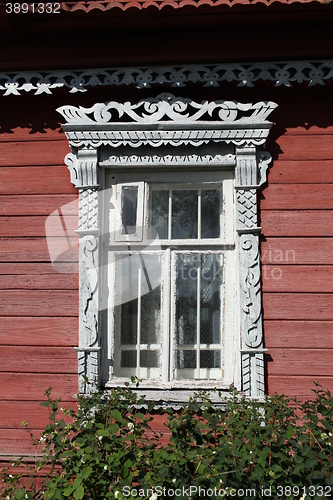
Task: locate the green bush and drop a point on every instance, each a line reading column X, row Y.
column 278, row 448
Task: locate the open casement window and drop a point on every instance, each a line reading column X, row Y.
column 168, row 321
column 169, row 243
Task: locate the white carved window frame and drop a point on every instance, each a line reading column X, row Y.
column 183, row 126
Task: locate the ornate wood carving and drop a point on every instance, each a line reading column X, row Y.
column 180, row 123
column 250, row 174
column 286, row 73
column 83, row 170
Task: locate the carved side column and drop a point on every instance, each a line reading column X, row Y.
column 83, row 169
column 250, row 173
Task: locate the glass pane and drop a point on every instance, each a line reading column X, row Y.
column 186, row 298
column 210, row 359
column 149, row 359
column 210, row 213
column 129, row 205
column 160, row 212
column 184, row 214
column 128, row 359
column 151, row 317
column 210, row 298
column 186, row 359
column 138, row 314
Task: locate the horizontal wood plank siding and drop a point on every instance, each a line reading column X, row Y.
column 296, row 218
column 38, row 305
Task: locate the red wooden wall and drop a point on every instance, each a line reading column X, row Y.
column 39, row 307
column 297, row 247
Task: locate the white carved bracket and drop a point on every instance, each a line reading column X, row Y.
column 151, row 125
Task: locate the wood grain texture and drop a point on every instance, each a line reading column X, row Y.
column 38, row 204
column 13, row 413
column 297, row 386
column 297, row 223
column 31, row 225
column 300, row 172
column 32, row 153
column 298, row 306
column 296, row 196
column 37, row 331
column 303, row 250
column 36, row 180
column 298, row 334
column 305, row 147
column 19, row 442
column 32, row 386
column 28, row 359
column 39, row 303
column 292, row 278
column 55, row 281
column 34, row 249
column 309, row 362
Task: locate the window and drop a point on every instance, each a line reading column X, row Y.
column 171, row 251
column 169, row 262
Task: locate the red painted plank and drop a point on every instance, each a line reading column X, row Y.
column 309, row 362
column 35, row 249
column 296, row 196
column 38, row 204
column 291, row 278
column 289, row 334
column 18, row 154
column 31, row 225
column 24, row 134
column 300, row 172
column 39, row 303
column 297, row 223
column 28, row 359
column 18, row 442
column 294, row 386
column 13, row 413
column 23, row 268
column 36, row 180
column 31, row 387
column 305, row 147
column 297, row 251
column 57, row 331
column 56, row 281
column 300, row 306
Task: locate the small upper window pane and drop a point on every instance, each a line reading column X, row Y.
column 185, row 213
column 129, row 206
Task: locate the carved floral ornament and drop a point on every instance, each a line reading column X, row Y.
column 172, row 131
column 279, row 73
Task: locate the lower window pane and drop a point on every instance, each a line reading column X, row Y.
column 138, row 321
column 186, row 359
column 210, row 359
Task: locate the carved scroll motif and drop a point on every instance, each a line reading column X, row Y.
column 83, row 170
column 250, row 173
column 250, row 290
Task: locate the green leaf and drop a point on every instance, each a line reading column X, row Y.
column 86, row 472
column 79, row 492
column 290, row 432
column 20, row 494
